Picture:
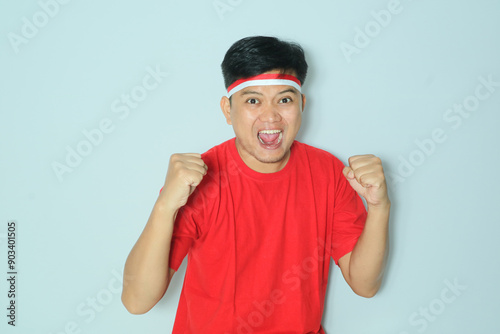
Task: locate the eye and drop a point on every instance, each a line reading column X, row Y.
column 252, row 101
column 285, row 100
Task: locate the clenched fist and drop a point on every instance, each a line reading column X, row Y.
column 366, row 176
column 185, row 172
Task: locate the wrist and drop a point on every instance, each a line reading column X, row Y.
column 164, row 205
column 384, row 206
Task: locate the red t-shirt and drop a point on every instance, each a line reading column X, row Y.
column 259, row 245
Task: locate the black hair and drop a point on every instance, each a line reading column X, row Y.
column 255, row 55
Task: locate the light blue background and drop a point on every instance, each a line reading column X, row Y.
column 75, row 233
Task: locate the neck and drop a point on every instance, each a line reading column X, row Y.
column 261, row 166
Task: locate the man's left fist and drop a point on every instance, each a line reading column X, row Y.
column 366, row 175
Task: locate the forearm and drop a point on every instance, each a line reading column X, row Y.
column 146, row 269
column 368, row 257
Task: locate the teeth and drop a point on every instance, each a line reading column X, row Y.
column 269, row 131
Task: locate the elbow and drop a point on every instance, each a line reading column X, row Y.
column 366, row 294
column 140, row 301
column 133, row 306
column 365, row 291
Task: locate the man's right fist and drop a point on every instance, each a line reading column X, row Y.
column 185, row 172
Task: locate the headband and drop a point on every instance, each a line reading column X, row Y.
column 264, row 80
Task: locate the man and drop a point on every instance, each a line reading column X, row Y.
column 260, row 215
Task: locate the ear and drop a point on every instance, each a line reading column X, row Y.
column 303, row 102
column 225, row 106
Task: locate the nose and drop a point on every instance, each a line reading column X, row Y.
column 270, row 113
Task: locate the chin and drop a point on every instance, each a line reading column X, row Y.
column 262, row 154
column 274, row 157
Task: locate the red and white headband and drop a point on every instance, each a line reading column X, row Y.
column 264, row 80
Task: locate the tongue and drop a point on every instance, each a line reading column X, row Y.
column 269, row 138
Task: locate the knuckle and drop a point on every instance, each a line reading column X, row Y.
column 181, row 173
column 174, row 157
column 364, row 179
column 185, row 172
column 176, row 165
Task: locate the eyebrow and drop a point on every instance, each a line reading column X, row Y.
column 249, row 92
column 289, row 90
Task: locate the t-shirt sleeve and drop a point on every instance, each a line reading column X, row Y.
column 185, row 233
column 189, row 225
column 186, row 230
column 349, row 216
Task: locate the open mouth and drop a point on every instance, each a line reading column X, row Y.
column 270, row 138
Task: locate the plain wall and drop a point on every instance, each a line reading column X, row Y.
column 414, row 82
